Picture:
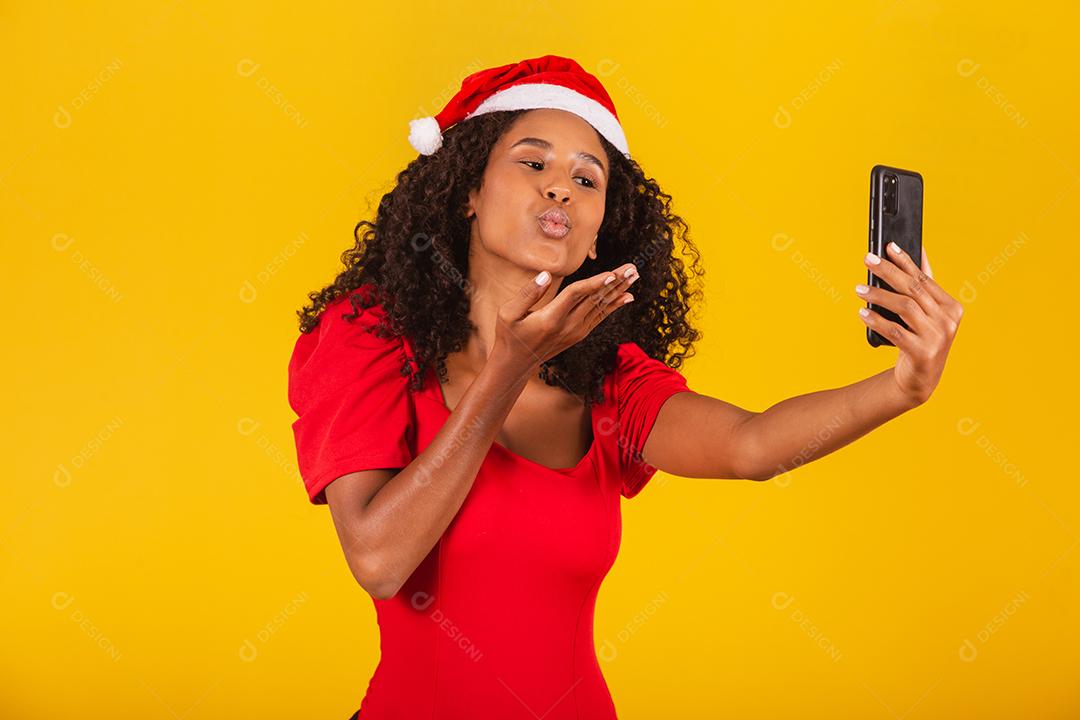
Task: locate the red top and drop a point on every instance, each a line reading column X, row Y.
column 497, row 621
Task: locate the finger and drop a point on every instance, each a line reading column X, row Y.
column 527, row 296
column 944, row 308
column 917, row 279
column 953, row 308
column 599, row 314
column 574, row 293
column 903, row 305
column 898, row 274
column 610, row 303
column 926, row 280
column 602, row 302
column 612, row 291
column 895, row 332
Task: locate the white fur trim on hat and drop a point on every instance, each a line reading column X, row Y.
column 425, row 135
column 530, row 96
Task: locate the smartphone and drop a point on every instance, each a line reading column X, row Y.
column 896, row 205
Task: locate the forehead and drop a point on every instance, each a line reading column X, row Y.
column 565, row 130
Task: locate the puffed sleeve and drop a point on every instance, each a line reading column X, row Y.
column 353, row 407
column 642, row 385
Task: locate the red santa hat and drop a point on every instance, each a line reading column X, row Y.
column 544, row 82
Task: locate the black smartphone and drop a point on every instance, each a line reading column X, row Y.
column 896, row 206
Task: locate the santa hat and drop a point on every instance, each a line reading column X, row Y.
column 544, row 82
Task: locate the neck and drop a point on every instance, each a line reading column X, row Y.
column 492, row 283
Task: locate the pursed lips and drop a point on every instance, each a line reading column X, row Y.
column 555, row 215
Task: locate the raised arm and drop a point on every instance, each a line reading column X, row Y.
column 698, row 436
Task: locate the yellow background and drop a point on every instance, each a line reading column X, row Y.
column 175, row 177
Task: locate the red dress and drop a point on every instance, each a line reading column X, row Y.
column 497, row 621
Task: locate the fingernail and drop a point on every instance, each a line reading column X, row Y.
column 864, row 312
column 861, row 289
column 543, row 277
column 629, row 272
column 872, row 258
column 628, row 299
column 894, row 247
column 634, row 279
column 610, row 280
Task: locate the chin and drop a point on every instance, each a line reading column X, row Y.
column 548, row 256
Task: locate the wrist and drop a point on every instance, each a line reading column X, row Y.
column 902, row 398
column 511, row 367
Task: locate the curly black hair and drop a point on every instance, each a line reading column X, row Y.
column 415, row 255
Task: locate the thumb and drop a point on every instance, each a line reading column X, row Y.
column 530, row 292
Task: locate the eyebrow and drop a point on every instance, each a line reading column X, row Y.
column 544, row 144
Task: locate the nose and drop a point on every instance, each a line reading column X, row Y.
column 558, row 193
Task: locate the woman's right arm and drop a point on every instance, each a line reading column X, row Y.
column 388, row 521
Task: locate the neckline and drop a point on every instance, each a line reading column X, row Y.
column 440, row 400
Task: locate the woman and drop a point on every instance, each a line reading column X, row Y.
column 498, row 364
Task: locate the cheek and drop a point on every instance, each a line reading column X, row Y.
column 594, row 212
column 503, row 215
column 504, row 196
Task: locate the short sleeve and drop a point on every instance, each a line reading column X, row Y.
column 642, row 385
column 353, row 407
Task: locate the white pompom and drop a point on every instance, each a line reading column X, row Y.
column 425, row 135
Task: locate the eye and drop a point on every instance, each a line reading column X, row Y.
column 591, row 184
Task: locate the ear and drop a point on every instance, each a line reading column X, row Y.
column 470, row 211
column 592, row 248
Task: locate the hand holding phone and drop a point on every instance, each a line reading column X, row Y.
column 896, row 210
column 906, row 306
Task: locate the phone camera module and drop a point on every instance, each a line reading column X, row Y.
column 889, row 200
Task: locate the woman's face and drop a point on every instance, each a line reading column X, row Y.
column 546, row 159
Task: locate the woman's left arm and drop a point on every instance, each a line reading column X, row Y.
column 698, row 436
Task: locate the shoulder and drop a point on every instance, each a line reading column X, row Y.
column 642, row 385
column 638, row 374
column 343, row 344
column 349, row 389
column 631, row 360
column 340, row 323
column 339, row 315
column 629, row 352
